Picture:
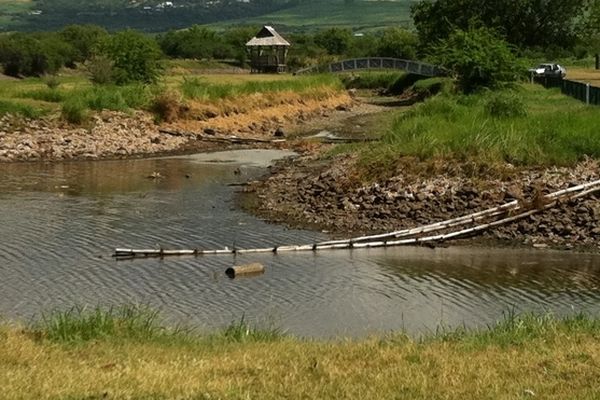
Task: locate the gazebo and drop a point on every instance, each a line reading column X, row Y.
column 268, row 51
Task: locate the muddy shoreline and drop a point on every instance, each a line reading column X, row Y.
column 326, row 193
column 118, row 135
column 309, row 193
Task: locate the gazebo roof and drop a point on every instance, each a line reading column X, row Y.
column 267, row 37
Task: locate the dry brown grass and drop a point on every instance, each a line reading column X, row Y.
column 557, row 367
column 259, row 114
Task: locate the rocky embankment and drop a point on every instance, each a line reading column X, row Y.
column 306, row 193
column 121, row 135
column 106, row 135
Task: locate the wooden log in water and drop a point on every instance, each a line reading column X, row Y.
column 248, row 269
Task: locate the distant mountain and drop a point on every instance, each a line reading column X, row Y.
column 162, row 15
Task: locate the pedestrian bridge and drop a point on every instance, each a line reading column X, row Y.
column 370, row 63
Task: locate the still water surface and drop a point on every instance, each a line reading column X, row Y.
column 59, row 224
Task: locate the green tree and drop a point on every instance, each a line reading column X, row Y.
column 135, row 57
column 336, row 41
column 24, row 54
column 196, row 42
column 525, row 23
column 83, row 38
column 398, row 43
column 477, row 57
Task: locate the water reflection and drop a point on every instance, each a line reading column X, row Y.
column 60, row 222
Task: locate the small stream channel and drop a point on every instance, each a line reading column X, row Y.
column 60, row 222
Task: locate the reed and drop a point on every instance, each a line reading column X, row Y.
column 81, row 324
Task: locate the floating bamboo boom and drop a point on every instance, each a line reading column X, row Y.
column 375, row 240
column 471, row 218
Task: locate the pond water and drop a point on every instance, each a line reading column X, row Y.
column 60, row 222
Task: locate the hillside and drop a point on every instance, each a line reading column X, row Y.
column 159, row 15
column 360, row 15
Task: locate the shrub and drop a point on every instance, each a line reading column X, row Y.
column 505, row 105
column 335, row 40
column 398, row 43
column 478, row 58
column 83, row 38
column 29, row 55
column 74, row 110
column 135, row 57
column 100, row 69
column 166, row 105
column 52, row 81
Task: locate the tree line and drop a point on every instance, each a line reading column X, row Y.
column 483, row 39
column 127, row 54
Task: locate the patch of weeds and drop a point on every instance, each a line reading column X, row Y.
column 505, row 105
column 81, row 324
column 243, row 331
column 74, row 110
column 25, row 110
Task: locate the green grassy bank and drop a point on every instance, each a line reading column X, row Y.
column 125, row 353
column 525, row 126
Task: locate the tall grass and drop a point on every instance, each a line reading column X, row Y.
column 17, row 108
column 46, row 94
column 80, row 324
column 74, row 110
column 536, row 127
column 516, row 329
column 116, row 98
column 198, row 89
column 77, row 103
column 242, row 331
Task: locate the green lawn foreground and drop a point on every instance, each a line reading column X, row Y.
column 125, row 353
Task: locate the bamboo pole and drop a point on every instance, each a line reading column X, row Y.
column 374, row 241
column 471, row 218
